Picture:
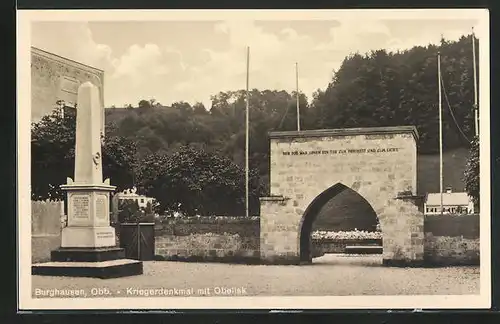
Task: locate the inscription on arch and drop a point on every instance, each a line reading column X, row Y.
column 344, row 151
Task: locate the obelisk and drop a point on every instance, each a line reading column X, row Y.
column 88, row 195
column 88, row 244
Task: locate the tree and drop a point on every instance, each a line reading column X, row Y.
column 119, row 159
column 221, row 129
column 154, row 103
column 144, row 104
column 389, row 89
column 379, row 88
column 200, row 109
column 53, row 156
column 52, row 149
column 129, row 211
column 183, row 107
column 471, row 176
column 149, row 215
column 197, row 182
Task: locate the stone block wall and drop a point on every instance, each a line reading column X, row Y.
column 403, row 232
column 452, row 240
column 222, row 240
column 45, row 229
column 279, row 231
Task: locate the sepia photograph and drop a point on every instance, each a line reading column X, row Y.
column 265, row 159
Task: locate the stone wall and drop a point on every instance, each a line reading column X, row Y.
column 56, row 78
column 308, row 168
column 452, row 240
column 206, row 239
column 323, row 246
column 45, row 229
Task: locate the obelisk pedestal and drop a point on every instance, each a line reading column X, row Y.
column 88, row 243
column 88, row 216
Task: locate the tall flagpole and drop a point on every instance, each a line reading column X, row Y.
column 440, row 136
column 246, row 137
column 476, row 117
column 297, row 85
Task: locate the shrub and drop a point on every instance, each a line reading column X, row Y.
column 193, row 182
column 471, row 175
column 130, row 212
column 346, row 235
column 209, row 219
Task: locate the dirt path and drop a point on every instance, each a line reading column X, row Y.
column 334, row 275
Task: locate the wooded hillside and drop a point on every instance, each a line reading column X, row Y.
column 373, row 89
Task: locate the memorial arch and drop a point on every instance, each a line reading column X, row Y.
column 310, row 167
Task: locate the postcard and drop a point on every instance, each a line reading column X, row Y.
column 253, row 159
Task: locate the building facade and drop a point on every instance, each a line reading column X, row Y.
column 131, row 194
column 55, row 81
column 453, row 203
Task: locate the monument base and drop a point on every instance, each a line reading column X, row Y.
column 101, row 263
column 88, row 237
column 87, row 255
column 103, row 270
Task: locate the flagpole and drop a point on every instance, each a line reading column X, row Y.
column 476, row 117
column 246, row 137
column 440, row 136
column 297, row 85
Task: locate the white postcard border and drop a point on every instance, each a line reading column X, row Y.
column 27, row 302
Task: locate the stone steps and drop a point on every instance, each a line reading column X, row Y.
column 363, row 249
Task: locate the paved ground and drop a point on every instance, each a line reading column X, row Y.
column 334, row 275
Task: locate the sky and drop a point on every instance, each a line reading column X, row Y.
column 172, row 61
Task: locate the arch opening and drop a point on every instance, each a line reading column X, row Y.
column 338, row 208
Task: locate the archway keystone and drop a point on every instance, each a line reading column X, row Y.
column 310, row 167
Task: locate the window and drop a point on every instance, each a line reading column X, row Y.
column 142, row 200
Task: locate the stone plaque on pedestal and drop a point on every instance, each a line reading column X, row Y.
column 101, row 206
column 80, row 206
